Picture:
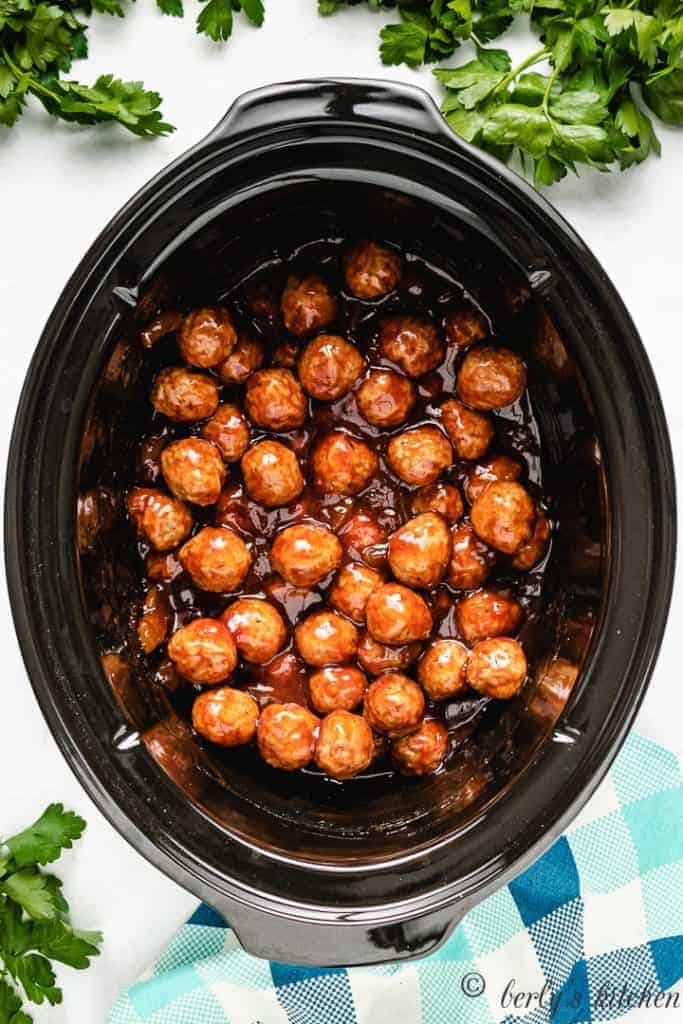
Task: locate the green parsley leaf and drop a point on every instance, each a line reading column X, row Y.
column 404, row 44
column 10, row 1006
column 215, row 19
column 254, row 11
column 30, row 890
column 42, row 842
column 515, row 125
column 174, row 8
column 665, row 97
column 57, row 941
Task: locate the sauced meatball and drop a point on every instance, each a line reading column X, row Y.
column 271, row 474
column 503, row 516
column 286, row 354
column 351, row 589
column 216, row 559
column 360, row 531
column 470, row 432
column 342, row 464
column 385, row 398
column 307, row 305
column 345, row 745
column 229, row 431
column 394, row 705
column 377, row 658
column 257, row 627
column 246, row 357
column 329, row 366
column 325, row 638
column 465, row 326
column 442, row 498
column 496, row 467
column 162, row 521
column 533, row 551
column 371, row 270
column 441, row 670
column 497, row 667
column 419, row 455
column 227, row 717
column 207, row 336
column 203, row 652
column 274, row 400
column 154, row 621
column 412, row 343
column 396, row 615
column 305, row 553
column 337, row 686
column 486, row 614
column 183, row 396
column 423, row 751
column 471, row 560
column 194, row 470
column 287, row 735
column 420, row 550
column 490, row 378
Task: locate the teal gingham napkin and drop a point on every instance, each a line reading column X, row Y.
column 589, row 932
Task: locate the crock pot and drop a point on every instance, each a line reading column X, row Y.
column 382, row 875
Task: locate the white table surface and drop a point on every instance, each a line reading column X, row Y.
column 60, row 185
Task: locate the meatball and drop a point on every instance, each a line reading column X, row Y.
column 497, row 667
column 351, row 589
column 385, row 398
column 287, row 735
column 203, row 652
column 162, row 521
column 394, row 705
column 360, row 531
column 207, row 336
column 503, row 516
column 325, row 638
column 496, row 467
column 305, row 553
column 216, row 559
column 227, row 717
column 412, row 343
column 419, row 455
column 423, row 751
column 420, row 550
column 274, row 400
column 329, row 366
column 396, row 615
column 377, row 658
column 286, row 354
column 183, row 396
column 341, row 464
column 465, row 326
column 257, row 628
column 194, row 470
column 337, row 686
column 229, row 431
column 345, row 745
column 442, row 498
column 271, row 474
column 490, row 378
column 307, row 305
column 441, row 670
column 154, row 621
column 486, row 614
column 533, row 551
column 471, row 561
column 470, row 432
column 246, row 357
column 371, row 270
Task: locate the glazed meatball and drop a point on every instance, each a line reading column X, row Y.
column 287, row 735
column 154, row 621
column 533, row 551
column 207, row 336
column 351, row 589
column 329, row 366
column 497, row 667
column 465, row 326
column 396, row 615
column 471, row 560
column 162, row 521
column 194, row 470
column 412, row 343
column 423, row 751
column 486, row 614
column 441, row 670
column 470, row 432
column 325, row 638
column 377, row 658
column 342, row 464
column 274, row 400
column 246, row 357
column 304, row 554
column 496, row 467
column 183, row 396
column 371, row 270
column 442, row 498
column 490, row 378
column 360, row 531
column 420, row 455
column 225, row 716
column 345, row 745
column 337, row 686
column 229, row 431
column 503, row 516
column 203, row 652
column 271, row 474
column 257, row 628
column 385, row 398
column 307, row 305
column 216, row 559
column 394, row 705
column 420, row 550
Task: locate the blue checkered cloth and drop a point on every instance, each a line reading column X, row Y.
column 591, row 932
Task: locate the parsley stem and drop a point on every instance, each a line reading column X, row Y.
column 33, row 85
column 535, row 58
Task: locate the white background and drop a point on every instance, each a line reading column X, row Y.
column 59, row 186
